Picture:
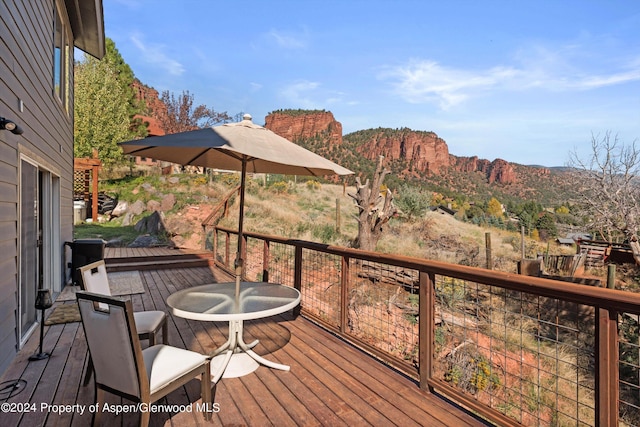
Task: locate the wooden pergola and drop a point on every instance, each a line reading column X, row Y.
column 89, row 167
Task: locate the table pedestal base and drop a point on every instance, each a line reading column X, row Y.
column 235, row 358
column 239, row 365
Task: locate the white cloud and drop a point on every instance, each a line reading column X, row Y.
column 429, row 82
column 425, row 81
column 311, row 95
column 298, row 94
column 156, row 55
column 288, row 41
column 592, row 82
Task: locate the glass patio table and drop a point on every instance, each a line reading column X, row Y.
column 216, row 302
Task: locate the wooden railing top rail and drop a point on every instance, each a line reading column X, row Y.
column 220, row 208
column 621, row 301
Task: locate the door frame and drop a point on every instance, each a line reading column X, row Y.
column 48, row 265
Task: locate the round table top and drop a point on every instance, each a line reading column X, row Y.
column 216, row 301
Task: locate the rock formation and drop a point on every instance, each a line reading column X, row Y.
column 301, row 124
column 498, row 171
column 424, row 152
column 155, row 108
column 419, row 152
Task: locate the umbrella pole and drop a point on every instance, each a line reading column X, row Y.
column 239, row 261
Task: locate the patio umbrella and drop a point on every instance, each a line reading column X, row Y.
column 242, row 146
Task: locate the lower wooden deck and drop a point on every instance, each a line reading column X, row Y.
column 330, row 383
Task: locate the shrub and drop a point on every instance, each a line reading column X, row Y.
column 313, row 185
column 280, row 187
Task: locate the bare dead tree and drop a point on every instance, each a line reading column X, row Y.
column 609, row 186
column 375, row 208
column 181, row 115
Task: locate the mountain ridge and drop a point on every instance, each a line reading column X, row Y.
column 418, row 156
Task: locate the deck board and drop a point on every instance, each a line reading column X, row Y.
column 331, row 383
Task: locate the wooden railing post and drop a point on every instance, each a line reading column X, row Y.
column 487, row 244
column 243, row 255
column 265, row 261
column 426, row 325
column 297, row 276
column 227, row 246
column 344, row 294
column 607, row 392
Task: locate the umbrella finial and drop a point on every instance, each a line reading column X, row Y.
column 246, row 116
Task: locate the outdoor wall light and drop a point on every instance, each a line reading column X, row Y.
column 10, row 126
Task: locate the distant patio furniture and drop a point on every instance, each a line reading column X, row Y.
column 123, row 368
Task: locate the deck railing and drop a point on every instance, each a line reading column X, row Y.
column 517, row 350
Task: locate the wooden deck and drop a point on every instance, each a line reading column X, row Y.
column 330, row 383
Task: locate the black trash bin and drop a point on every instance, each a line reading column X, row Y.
column 83, row 252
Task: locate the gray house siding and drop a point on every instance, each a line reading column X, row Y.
column 28, row 97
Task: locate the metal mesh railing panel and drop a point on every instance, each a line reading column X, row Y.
column 528, row 357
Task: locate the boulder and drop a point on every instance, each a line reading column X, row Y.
column 153, row 206
column 120, row 209
column 128, row 219
column 148, row 188
column 152, row 224
column 168, row 202
column 137, row 208
column 144, row 241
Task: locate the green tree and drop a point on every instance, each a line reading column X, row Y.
column 126, row 77
column 546, row 225
column 105, row 106
column 412, row 202
column 101, row 116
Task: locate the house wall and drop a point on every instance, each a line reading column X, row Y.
column 27, row 98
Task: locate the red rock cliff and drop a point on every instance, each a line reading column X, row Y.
column 155, row 107
column 499, row 170
column 295, row 125
column 423, row 151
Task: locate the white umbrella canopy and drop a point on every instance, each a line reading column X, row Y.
column 242, row 146
column 226, row 146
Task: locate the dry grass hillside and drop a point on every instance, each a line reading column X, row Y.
column 308, row 211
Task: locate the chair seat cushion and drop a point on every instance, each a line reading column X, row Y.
column 148, row 321
column 165, row 363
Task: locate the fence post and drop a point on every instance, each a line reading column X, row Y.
column 297, row 276
column 215, row 243
column 344, row 294
column 227, row 246
column 611, row 276
column 426, row 327
column 487, row 243
column 607, row 392
column 266, row 255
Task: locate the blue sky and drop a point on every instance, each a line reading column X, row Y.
column 524, row 81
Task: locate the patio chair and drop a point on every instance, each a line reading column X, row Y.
column 148, row 323
column 123, row 368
